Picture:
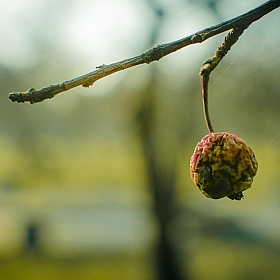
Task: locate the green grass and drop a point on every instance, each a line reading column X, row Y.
column 38, row 268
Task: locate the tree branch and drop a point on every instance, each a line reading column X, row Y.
column 156, row 53
column 210, row 64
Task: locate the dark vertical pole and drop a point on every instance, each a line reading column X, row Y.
column 162, row 182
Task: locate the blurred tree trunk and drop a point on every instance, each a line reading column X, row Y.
column 161, row 165
column 161, row 161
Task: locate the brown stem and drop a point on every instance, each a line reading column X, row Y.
column 205, row 81
column 210, row 64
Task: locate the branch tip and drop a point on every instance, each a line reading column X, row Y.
column 34, row 96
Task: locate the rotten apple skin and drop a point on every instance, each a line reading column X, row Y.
column 223, row 165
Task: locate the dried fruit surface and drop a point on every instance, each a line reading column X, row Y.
column 223, row 165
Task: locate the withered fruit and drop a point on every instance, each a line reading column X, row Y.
column 223, row 165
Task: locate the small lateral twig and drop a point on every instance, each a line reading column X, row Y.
column 154, row 54
column 210, row 64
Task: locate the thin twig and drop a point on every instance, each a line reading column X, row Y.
column 210, row 64
column 205, row 81
column 156, row 53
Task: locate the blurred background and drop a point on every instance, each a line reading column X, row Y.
column 94, row 183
